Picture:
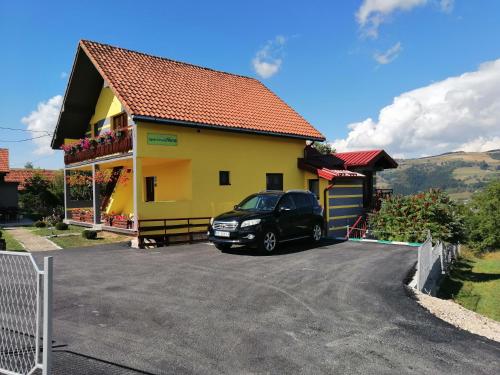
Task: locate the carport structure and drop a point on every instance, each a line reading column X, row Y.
column 346, row 184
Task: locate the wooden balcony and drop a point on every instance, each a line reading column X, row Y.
column 118, row 146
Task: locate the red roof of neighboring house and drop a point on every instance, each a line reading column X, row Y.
column 4, row 160
column 365, row 158
column 21, row 175
column 329, row 174
column 159, row 88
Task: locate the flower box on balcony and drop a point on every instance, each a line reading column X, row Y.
column 112, row 143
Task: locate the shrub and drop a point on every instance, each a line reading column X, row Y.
column 409, row 218
column 61, row 226
column 89, row 234
column 482, row 222
column 40, row 224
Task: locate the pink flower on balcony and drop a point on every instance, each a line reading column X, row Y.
column 85, row 143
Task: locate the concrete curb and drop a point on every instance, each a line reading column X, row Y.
column 412, row 244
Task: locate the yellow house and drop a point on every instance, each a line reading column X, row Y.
column 150, row 142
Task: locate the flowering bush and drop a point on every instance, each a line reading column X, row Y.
column 409, row 218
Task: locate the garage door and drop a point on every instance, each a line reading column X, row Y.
column 345, row 205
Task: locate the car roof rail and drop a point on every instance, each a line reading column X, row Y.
column 271, row 191
column 298, row 191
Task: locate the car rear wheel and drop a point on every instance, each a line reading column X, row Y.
column 223, row 246
column 268, row 242
column 317, row 232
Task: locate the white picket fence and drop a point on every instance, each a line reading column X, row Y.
column 433, row 263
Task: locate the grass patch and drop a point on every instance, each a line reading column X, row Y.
column 474, row 283
column 53, row 231
column 11, row 243
column 79, row 241
column 75, row 238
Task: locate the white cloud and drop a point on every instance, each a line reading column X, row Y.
column 267, row 61
column 458, row 113
column 388, row 56
column 43, row 119
column 372, row 13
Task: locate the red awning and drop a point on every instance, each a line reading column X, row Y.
column 330, row 174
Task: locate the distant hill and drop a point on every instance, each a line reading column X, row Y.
column 458, row 173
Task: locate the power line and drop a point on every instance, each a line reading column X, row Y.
column 24, row 130
column 25, row 140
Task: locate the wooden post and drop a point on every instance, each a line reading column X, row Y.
column 96, row 196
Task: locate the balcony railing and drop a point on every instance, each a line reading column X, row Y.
column 117, row 146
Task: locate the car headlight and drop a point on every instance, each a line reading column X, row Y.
column 249, row 223
column 211, row 220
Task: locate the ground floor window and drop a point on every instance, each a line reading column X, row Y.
column 274, row 181
column 314, row 187
column 224, row 178
column 150, row 188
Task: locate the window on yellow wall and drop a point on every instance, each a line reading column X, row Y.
column 224, row 178
column 150, row 188
column 274, row 181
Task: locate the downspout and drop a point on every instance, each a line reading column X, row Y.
column 326, row 204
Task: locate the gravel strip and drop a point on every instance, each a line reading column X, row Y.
column 459, row 316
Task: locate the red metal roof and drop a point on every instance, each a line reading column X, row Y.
column 329, row 174
column 159, row 88
column 20, row 175
column 4, row 160
column 363, row 158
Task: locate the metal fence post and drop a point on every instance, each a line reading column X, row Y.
column 47, row 315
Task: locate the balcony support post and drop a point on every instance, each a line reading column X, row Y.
column 96, row 195
column 66, row 194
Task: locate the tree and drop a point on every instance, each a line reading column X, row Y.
column 37, row 197
column 324, row 147
column 483, row 165
column 484, row 218
column 28, row 165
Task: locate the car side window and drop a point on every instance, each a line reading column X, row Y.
column 287, row 203
column 302, row 200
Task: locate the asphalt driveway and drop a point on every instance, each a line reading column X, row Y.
column 338, row 308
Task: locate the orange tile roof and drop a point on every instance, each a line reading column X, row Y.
column 20, row 175
column 4, row 160
column 156, row 87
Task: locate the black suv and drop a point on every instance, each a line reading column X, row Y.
column 268, row 218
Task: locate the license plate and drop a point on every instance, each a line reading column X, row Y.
column 219, row 233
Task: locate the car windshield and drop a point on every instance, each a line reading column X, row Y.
column 259, row 202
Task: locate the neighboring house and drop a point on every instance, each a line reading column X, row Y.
column 8, row 189
column 173, row 141
column 21, row 175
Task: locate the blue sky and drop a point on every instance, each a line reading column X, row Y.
column 338, row 63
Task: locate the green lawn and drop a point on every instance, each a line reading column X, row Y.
column 12, row 244
column 77, row 240
column 475, row 284
column 48, row 232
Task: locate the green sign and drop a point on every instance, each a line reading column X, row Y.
column 162, row 139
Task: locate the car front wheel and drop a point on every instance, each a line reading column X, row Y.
column 317, row 232
column 268, row 242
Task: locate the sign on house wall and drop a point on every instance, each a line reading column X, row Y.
column 162, row 139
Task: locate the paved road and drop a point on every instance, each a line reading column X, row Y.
column 193, row 310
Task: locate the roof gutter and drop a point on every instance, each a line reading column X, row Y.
column 198, row 125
